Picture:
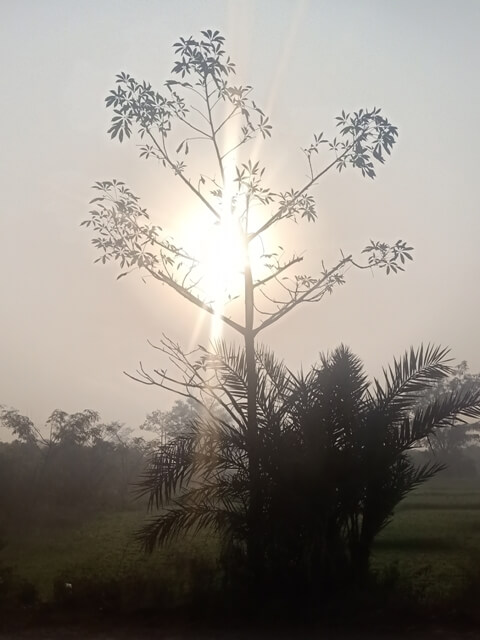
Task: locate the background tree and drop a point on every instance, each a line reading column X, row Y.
column 168, row 424
column 201, row 107
column 455, row 446
column 75, row 465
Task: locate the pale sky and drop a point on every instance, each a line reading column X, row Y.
column 68, row 329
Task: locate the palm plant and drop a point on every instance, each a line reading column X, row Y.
column 333, row 458
column 201, row 478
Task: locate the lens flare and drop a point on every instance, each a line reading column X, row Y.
column 222, row 253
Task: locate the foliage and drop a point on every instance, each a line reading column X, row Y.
column 21, row 427
column 168, row 424
column 200, row 108
column 81, row 428
column 451, row 444
column 81, row 466
column 333, row 457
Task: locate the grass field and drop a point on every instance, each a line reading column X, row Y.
column 434, row 538
column 433, row 542
column 101, row 554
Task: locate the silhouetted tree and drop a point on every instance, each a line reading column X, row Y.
column 333, row 459
column 201, row 108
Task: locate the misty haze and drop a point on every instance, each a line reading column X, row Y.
column 240, row 373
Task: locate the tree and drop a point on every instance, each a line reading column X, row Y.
column 333, row 454
column 76, row 428
column 448, row 445
column 201, row 106
column 75, row 463
column 168, row 424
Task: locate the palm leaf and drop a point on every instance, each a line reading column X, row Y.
column 411, row 375
column 169, row 468
column 449, row 409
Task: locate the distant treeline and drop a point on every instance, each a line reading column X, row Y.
column 76, row 464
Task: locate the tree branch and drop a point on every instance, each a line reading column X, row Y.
column 303, row 297
column 213, row 135
column 192, row 298
column 278, row 271
column 280, row 213
column 187, row 182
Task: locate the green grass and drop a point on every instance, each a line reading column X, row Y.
column 434, row 538
column 101, row 549
column 433, row 541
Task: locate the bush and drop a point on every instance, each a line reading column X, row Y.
column 15, row 592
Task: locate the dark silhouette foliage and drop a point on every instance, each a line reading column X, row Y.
column 333, row 457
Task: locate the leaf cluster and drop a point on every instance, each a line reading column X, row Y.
column 203, row 57
column 124, row 234
column 367, row 136
column 79, row 429
column 388, row 257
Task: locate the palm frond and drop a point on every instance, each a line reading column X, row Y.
column 398, row 480
column 231, row 362
column 274, row 385
column 330, row 399
column 348, row 369
column 168, row 469
column 411, row 375
column 184, row 518
column 449, row 409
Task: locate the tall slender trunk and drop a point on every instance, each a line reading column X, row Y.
column 255, row 533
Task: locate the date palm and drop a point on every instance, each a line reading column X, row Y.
column 333, row 456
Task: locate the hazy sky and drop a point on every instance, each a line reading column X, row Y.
column 68, row 329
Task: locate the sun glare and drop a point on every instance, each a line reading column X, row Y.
column 220, row 250
column 221, row 254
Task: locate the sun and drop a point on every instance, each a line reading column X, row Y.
column 222, row 256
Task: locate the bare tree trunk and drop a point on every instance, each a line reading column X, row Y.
column 255, row 533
